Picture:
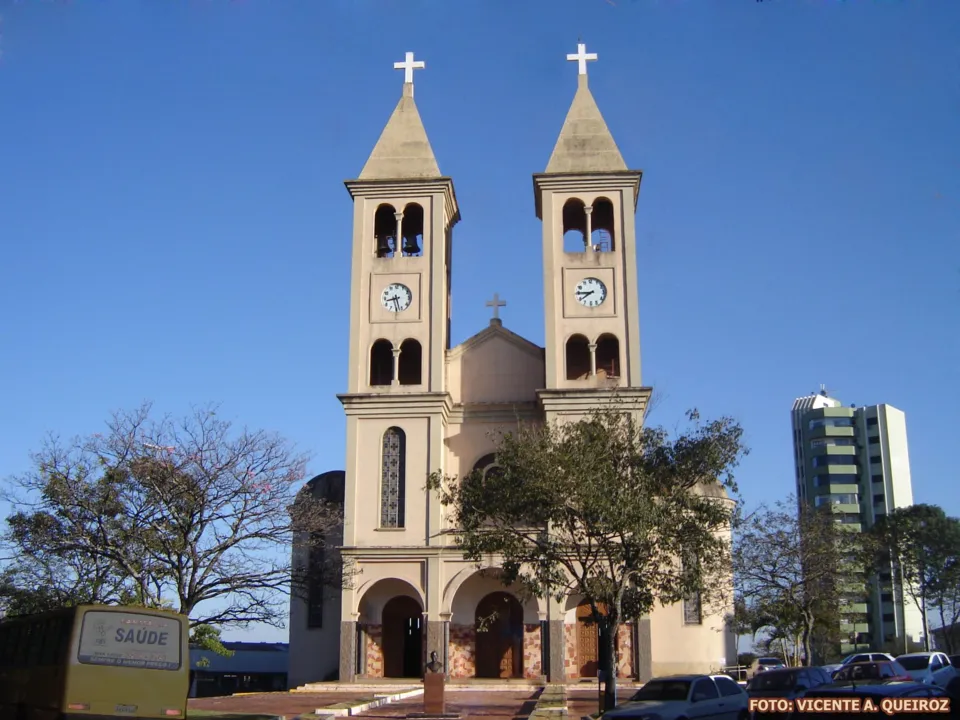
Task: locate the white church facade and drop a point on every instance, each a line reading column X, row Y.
column 415, row 405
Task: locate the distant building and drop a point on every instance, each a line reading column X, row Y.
column 856, row 459
column 946, row 639
column 253, row 667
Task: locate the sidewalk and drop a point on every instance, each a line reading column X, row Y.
column 499, row 705
column 281, row 703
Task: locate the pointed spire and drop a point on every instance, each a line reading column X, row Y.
column 585, row 143
column 403, row 150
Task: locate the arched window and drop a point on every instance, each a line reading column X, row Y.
column 602, row 225
column 411, row 363
column 578, row 357
column 487, row 465
column 385, row 231
column 381, row 363
column 574, row 226
column 411, row 228
column 315, row 577
column 392, row 478
column 608, row 355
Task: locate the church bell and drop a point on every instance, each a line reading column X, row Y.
column 410, row 246
column 384, row 245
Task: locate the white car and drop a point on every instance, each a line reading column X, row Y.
column 858, row 657
column 685, row 697
column 930, row 668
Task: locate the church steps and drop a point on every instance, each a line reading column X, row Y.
column 376, row 686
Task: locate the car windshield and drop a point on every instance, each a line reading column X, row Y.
column 663, row 690
column 858, row 671
column 769, row 661
column 860, row 657
column 773, row 681
column 914, row 662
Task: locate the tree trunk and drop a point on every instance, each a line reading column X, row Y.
column 807, row 644
column 947, row 632
column 926, row 624
column 609, row 648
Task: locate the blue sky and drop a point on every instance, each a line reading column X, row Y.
column 174, row 225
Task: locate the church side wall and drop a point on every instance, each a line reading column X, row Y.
column 679, row 648
column 314, row 653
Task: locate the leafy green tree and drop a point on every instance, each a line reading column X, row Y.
column 919, row 546
column 798, row 567
column 207, row 637
column 189, row 514
column 623, row 515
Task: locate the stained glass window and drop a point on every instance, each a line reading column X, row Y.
column 692, row 611
column 392, row 481
column 315, row 584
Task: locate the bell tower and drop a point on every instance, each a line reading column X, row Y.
column 404, row 213
column 586, row 200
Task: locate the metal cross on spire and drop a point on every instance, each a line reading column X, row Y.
column 408, row 66
column 496, row 304
column 581, row 57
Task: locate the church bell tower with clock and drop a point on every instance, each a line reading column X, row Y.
column 586, row 200
column 404, row 213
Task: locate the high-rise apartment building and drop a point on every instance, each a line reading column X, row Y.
column 856, row 459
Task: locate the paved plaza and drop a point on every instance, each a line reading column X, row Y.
column 496, row 705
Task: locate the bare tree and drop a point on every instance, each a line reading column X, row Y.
column 186, row 514
column 800, row 568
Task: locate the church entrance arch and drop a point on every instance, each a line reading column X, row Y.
column 588, row 640
column 402, row 638
column 499, row 636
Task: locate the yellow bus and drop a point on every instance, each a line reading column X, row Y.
column 94, row 662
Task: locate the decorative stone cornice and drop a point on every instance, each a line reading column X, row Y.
column 584, row 401
column 396, row 405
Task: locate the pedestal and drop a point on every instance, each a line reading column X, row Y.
column 433, row 694
column 434, row 702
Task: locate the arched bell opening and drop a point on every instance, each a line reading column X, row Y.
column 385, row 230
column 411, row 363
column 608, row 356
column 381, row 363
column 411, row 230
column 578, row 358
column 602, row 233
column 574, row 218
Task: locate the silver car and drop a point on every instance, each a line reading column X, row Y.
column 929, row 668
column 685, row 697
column 857, row 658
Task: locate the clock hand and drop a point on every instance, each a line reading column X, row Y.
column 396, row 303
column 584, row 293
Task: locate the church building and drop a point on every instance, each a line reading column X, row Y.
column 415, row 405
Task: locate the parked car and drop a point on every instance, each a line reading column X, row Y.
column 762, row 664
column 930, row 668
column 716, row 697
column 788, row 683
column 859, row 657
column 872, row 672
column 876, row 693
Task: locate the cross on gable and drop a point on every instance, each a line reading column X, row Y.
column 581, row 57
column 496, row 304
column 408, row 66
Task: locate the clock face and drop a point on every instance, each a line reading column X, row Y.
column 396, row 297
column 590, row 292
